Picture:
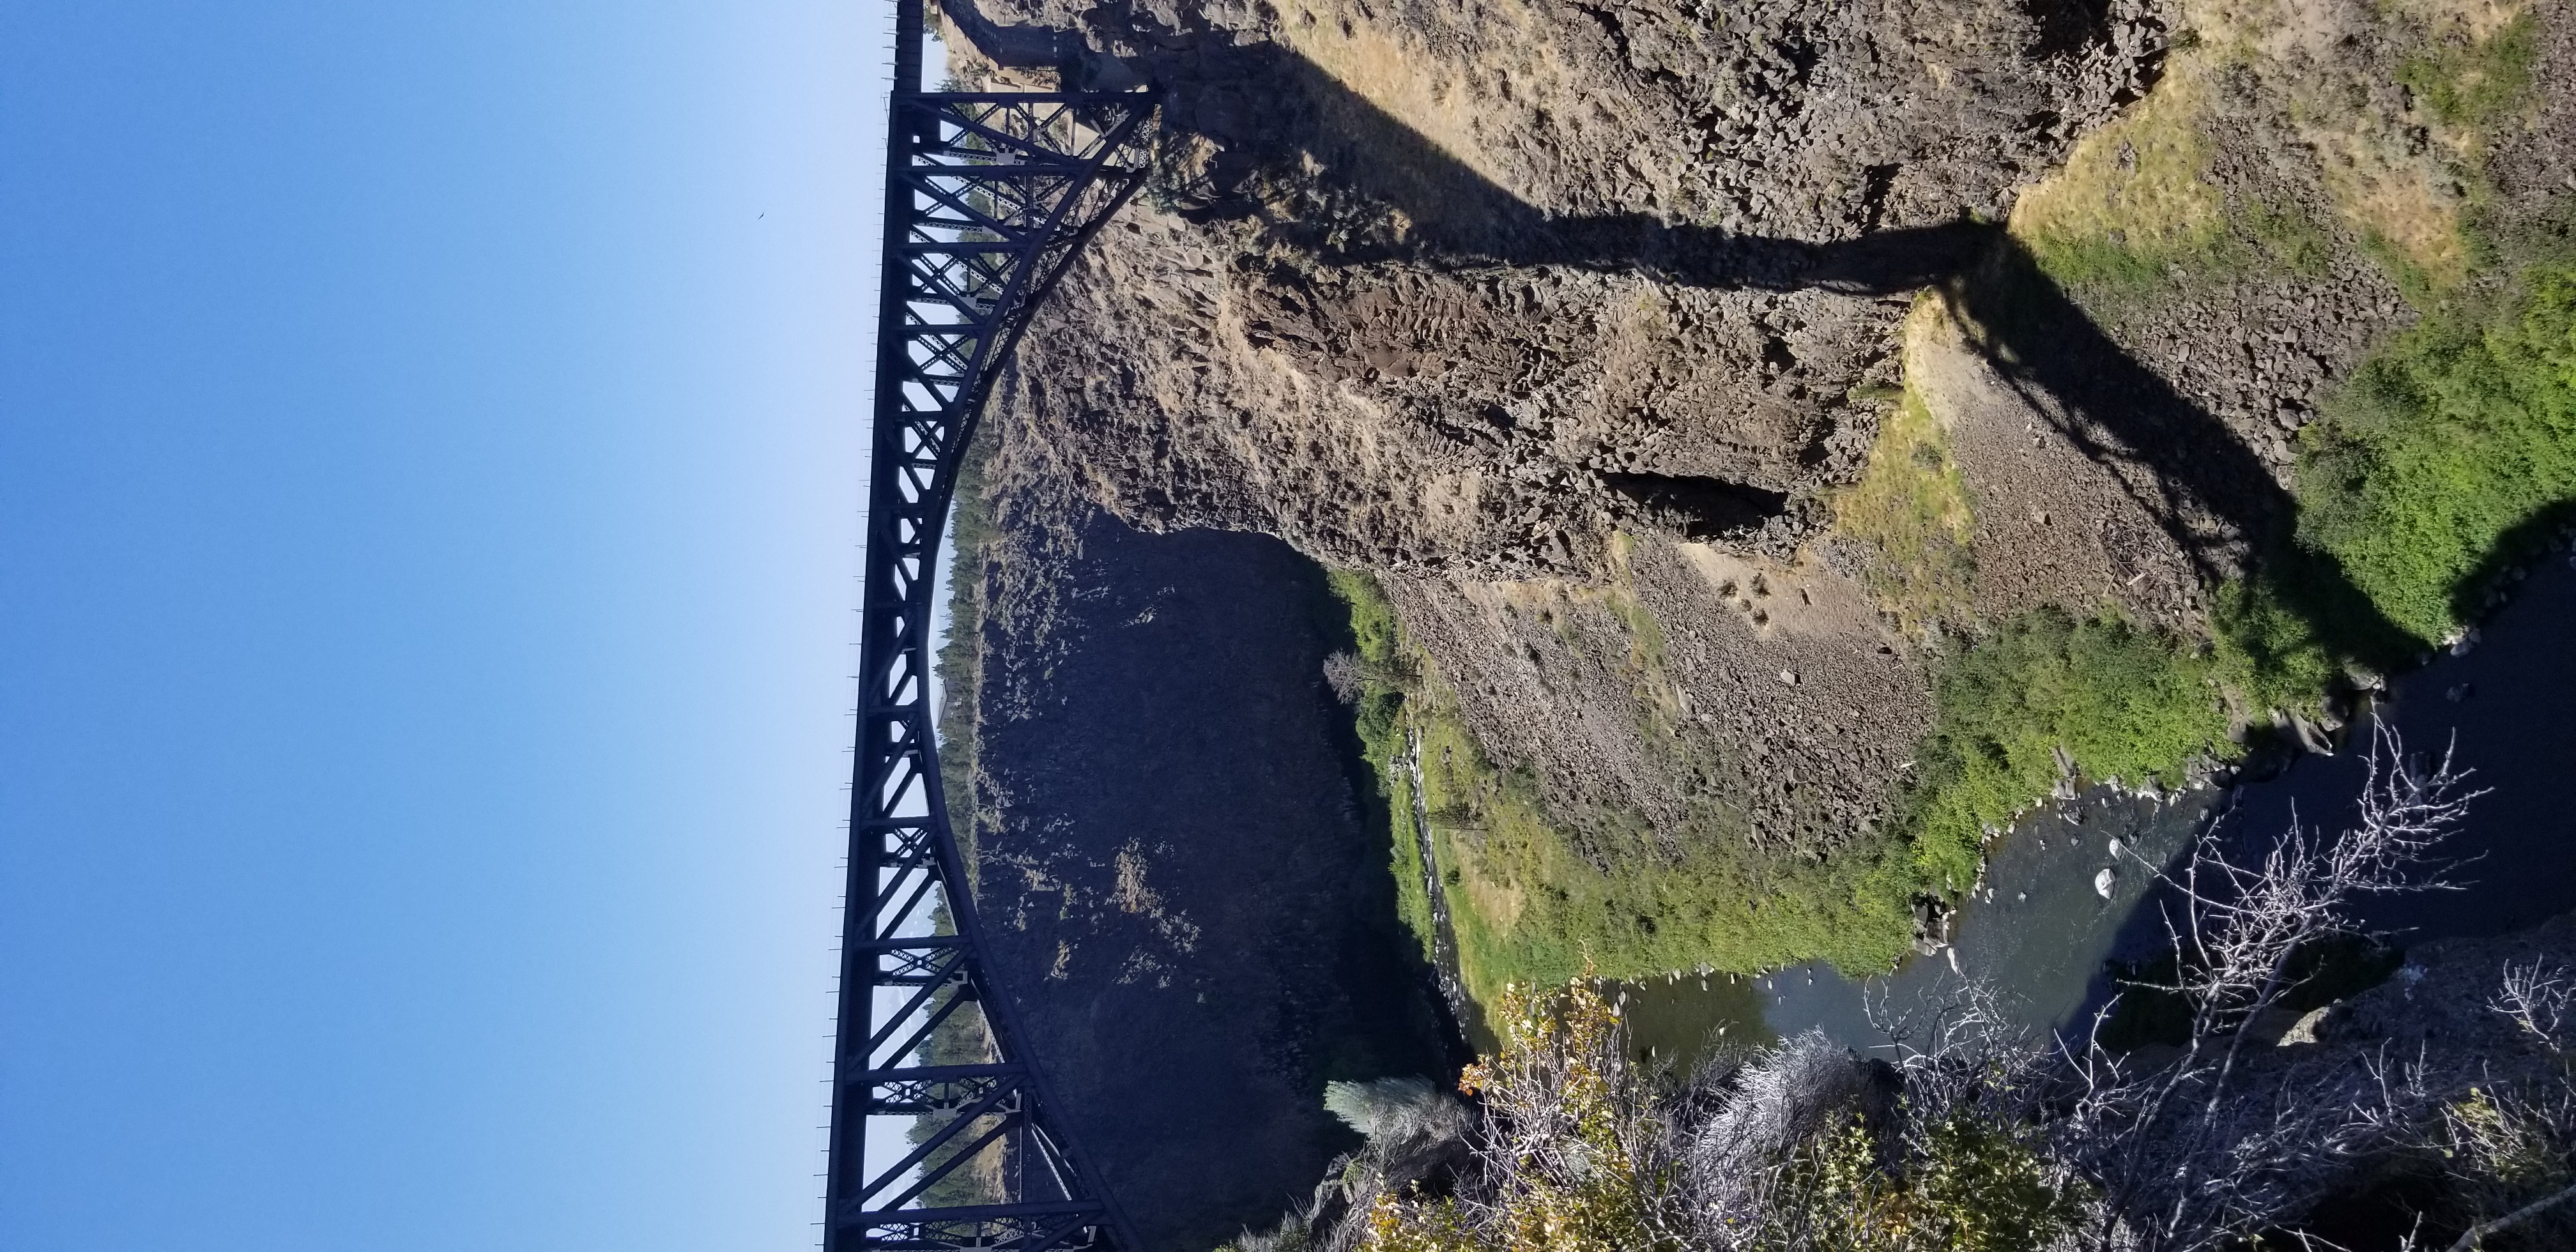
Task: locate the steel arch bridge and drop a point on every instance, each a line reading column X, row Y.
column 989, row 197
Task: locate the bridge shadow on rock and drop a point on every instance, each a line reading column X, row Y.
column 2201, row 482
column 1387, row 193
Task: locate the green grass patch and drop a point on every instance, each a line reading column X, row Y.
column 1386, row 671
column 1537, row 897
column 2136, row 212
column 2288, row 236
column 2476, row 83
column 1531, row 907
column 2449, row 454
column 2412, row 280
column 1911, row 508
column 2133, row 201
column 2111, row 261
column 2123, row 701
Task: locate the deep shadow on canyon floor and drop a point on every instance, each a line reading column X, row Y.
column 1189, row 896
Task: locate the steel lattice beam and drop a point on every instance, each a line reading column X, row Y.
column 989, row 197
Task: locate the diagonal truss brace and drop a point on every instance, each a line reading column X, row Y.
column 990, row 197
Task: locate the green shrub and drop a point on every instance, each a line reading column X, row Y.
column 2447, row 454
column 2122, row 701
column 1379, row 721
column 1372, row 619
column 2475, row 84
column 1972, row 1184
column 1983, row 1186
column 2269, row 650
column 2295, row 624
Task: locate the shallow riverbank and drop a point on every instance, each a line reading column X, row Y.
column 2041, row 935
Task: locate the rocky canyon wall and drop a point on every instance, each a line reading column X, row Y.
column 1172, row 859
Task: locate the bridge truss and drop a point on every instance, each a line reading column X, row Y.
column 944, row 1135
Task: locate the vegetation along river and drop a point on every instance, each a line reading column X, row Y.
column 2044, row 938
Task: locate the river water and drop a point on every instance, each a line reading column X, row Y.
column 2043, row 937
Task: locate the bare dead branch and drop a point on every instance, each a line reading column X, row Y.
column 2536, row 998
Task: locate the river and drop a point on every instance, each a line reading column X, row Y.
column 2044, row 935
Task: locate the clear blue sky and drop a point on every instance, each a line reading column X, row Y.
column 428, row 494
